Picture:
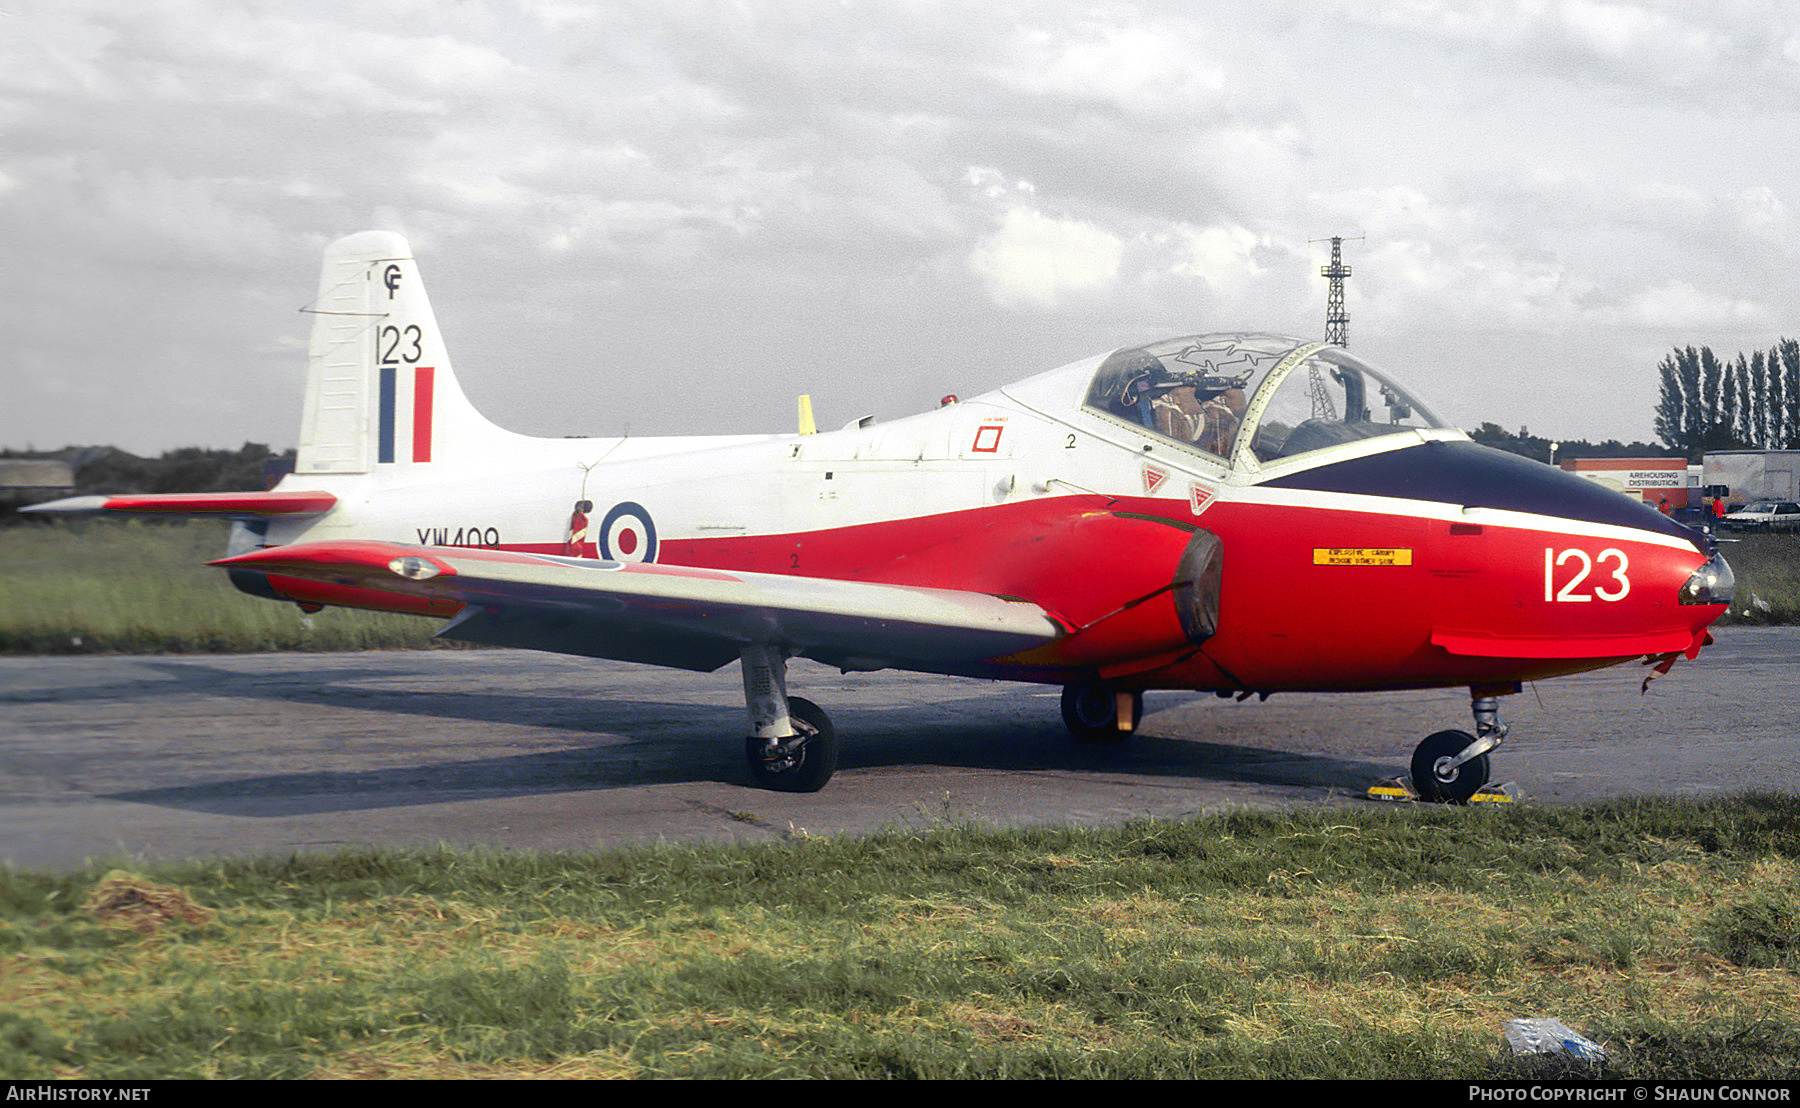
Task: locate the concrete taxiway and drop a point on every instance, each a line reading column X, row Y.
column 191, row 755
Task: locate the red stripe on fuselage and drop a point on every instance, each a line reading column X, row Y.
column 1289, row 618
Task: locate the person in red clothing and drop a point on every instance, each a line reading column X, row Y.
column 576, row 545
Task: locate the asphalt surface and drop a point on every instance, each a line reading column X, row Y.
column 168, row 756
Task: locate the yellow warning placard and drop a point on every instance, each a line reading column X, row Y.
column 1362, row 556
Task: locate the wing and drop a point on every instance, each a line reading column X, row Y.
column 697, row 619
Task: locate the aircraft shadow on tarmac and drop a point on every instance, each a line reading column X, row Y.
column 642, row 742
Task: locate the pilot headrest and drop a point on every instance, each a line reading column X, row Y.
column 1211, row 385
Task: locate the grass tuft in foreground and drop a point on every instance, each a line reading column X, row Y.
column 1381, row 943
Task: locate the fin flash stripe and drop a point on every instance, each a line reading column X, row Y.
column 385, row 439
column 423, row 378
column 424, row 382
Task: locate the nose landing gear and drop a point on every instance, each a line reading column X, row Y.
column 1450, row 767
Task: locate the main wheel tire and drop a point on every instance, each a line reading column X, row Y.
column 807, row 761
column 1461, row 783
column 1092, row 715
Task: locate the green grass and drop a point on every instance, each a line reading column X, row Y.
column 1378, row 942
column 1767, row 568
column 109, row 586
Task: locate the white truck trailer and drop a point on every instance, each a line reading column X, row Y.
column 1745, row 475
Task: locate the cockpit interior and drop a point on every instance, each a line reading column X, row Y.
column 1250, row 399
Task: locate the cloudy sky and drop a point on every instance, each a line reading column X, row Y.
column 673, row 216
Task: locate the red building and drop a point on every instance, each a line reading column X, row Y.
column 1649, row 479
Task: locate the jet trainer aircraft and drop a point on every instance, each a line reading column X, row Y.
column 1238, row 513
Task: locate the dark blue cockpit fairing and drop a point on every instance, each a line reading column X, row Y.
column 1471, row 475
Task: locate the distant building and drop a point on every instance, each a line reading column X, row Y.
column 30, row 480
column 1648, row 479
column 20, row 475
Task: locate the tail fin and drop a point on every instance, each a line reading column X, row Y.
column 379, row 388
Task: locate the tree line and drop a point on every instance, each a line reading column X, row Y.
column 188, row 469
column 1707, row 403
column 1539, row 449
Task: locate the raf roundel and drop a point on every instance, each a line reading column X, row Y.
column 627, row 534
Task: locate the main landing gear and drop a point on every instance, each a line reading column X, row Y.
column 1097, row 714
column 792, row 746
column 1450, row 767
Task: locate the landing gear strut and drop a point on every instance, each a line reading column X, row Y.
column 1097, row 714
column 1451, row 766
column 792, row 746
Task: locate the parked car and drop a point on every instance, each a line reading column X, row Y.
column 1765, row 515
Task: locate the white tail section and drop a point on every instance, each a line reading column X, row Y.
column 379, row 388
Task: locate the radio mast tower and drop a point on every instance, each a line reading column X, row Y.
column 1337, row 318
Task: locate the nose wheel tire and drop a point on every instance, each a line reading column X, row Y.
column 1092, row 713
column 801, row 764
column 1432, row 778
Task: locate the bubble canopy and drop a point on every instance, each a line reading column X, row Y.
column 1258, row 399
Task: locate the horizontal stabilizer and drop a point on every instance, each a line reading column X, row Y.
column 223, row 505
column 671, row 615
